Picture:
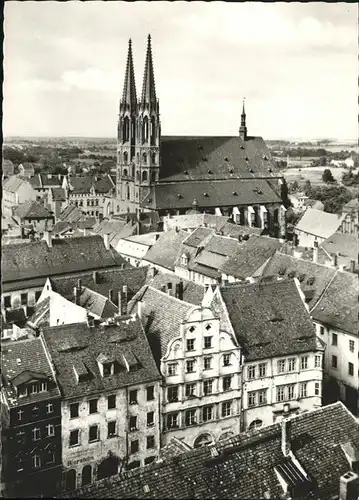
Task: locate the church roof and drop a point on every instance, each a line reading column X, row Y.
column 200, row 158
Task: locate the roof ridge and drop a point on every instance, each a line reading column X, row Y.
column 324, row 291
column 170, row 296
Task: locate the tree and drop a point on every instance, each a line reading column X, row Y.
column 328, row 176
column 294, row 187
column 307, row 188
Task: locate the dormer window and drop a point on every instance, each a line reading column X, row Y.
column 108, row 369
column 184, row 260
column 22, row 391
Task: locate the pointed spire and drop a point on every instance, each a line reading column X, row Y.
column 243, row 115
column 243, row 127
column 129, row 87
column 148, row 88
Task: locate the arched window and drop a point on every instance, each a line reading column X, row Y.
column 138, row 176
column 144, row 158
column 70, row 480
column 225, row 435
column 154, row 158
column 126, row 129
column 128, row 191
column 133, row 171
column 153, row 131
column 125, row 157
column 86, row 475
column 125, row 173
column 153, row 176
column 138, row 157
column 144, row 176
column 145, row 129
column 256, row 424
column 202, row 440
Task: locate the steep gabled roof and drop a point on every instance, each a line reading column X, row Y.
column 165, row 251
column 269, row 319
column 12, row 184
column 344, row 244
column 32, row 210
column 318, row 223
column 243, row 466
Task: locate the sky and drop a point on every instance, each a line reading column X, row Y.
column 295, row 63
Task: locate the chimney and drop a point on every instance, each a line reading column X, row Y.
column 125, row 297
column 348, row 486
column 163, row 288
column 122, row 302
column 335, row 260
column 286, row 427
column 85, row 231
column 76, row 295
column 179, row 290
column 106, row 241
column 110, row 295
column 48, row 238
column 95, row 277
column 352, row 266
column 151, row 272
column 139, row 309
column 315, row 252
column 169, row 288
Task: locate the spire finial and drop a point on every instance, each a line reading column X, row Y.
column 243, row 107
column 243, row 127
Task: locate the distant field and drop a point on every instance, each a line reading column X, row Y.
column 313, row 174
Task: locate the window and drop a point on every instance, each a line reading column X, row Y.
column 280, row 393
column 334, row 362
column 134, row 446
column 190, row 390
column 227, row 359
column 74, row 438
column 262, row 397
column 133, row 423
column 150, row 442
column 207, row 413
column 111, row 402
column 262, row 369
column 22, row 390
column 49, row 408
column 149, row 460
column 207, row 387
column 7, row 301
column 304, row 362
column 74, row 410
column 37, row 296
column 20, row 414
column 190, row 366
column 144, row 161
column 317, row 388
column 93, row 433
column 172, row 420
column 207, row 363
column 111, row 429
column 107, row 369
column 34, row 388
column 291, row 364
column 303, row 390
column 23, row 297
column 321, row 329
column 19, row 465
column 281, row 366
column 318, row 361
column 190, row 417
column 226, row 409
column 207, row 342
column 93, row 406
column 227, row 382
column 172, row 369
column 133, row 397
column 350, row 369
column 251, row 372
column 150, row 394
column 351, row 345
column 125, row 173
column 190, row 344
column 134, row 465
column 172, row 394
column 36, row 461
column 36, row 434
column 20, row 437
column 291, row 391
column 334, row 339
column 150, row 418
column 50, row 428
column 251, row 398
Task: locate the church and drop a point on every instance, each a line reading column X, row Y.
column 232, row 176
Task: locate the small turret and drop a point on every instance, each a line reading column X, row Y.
column 243, row 127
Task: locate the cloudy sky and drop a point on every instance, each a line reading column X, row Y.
column 296, row 64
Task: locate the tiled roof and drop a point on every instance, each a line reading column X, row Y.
column 83, row 184
column 162, row 316
column 15, row 316
column 71, row 214
column 223, row 225
column 58, row 194
column 79, row 344
column 116, row 229
column 13, row 183
column 338, row 306
column 174, row 448
column 249, row 256
column 8, row 168
column 351, row 205
column 190, row 158
column 211, row 193
column 25, row 356
column 41, row 316
column 192, row 292
column 164, row 252
column 106, row 280
column 243, row 466
column 36, row 259
column 28, row 166
column 76, row 228
column 46, row 181
column 198, row 237
column 318, row 223
column 97, row 304
column 269, row 319
column 313, row 278
column 345, row 244
column 32, row 210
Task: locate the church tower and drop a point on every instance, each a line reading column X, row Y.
column 243, row 127
column 139, row 137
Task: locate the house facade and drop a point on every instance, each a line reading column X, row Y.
column 16, row 191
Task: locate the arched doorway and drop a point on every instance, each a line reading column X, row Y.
column 256, row 424
column 225, row 435
column 108, row 467
column 86, row 475
column 202, row 440
column 70, row 480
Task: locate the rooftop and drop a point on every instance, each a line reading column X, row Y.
column 12, row 184
column 76, row 349
column 32, row 210
column 318, row 223
column 164, row 252
column 344, row 244
column 243, row 466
